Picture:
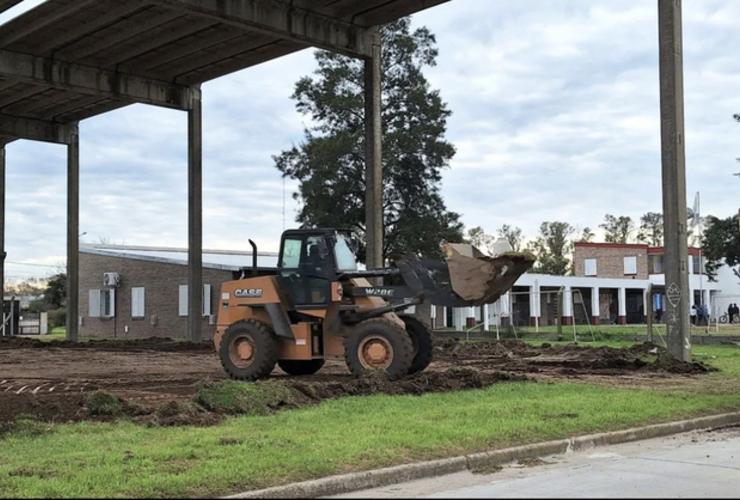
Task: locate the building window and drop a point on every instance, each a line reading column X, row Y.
column 103, row 303
column 183, row 300
column 697, row 265
column 590, row 265
column 138, row 302
column 656, row 264
column 630, row 265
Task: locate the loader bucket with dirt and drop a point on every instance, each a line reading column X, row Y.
column 480, row 279
column 466, row 278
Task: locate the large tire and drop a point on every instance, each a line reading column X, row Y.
column 249, row 350
column 378, row 344
column 301, row 367
column 421, row 339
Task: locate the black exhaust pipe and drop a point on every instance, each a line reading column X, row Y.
column 254, row 254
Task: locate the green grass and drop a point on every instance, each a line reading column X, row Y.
column 601, row 330
column 358, row 433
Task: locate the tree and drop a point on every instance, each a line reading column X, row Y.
column 513, row 235
column 618, row 229
column 587, row 236
column 330, row 162
column 721, row 243
column 552, row 248
column 651, row 229
column 55, row 294
column 479, row 239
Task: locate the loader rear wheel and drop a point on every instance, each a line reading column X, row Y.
column 249, row 350
column 298, row 367
column 378, row 344
column 421, row 339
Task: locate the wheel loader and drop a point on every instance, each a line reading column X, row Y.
column 317, row 306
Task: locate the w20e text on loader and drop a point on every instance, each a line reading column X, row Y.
column 317, row 305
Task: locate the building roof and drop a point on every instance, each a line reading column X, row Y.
column 228, row 260
column 67, row 60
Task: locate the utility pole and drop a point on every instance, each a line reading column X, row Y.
column 674, row 178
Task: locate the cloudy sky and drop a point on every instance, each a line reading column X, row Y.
column 555, row 117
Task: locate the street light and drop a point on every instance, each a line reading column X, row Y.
column 83, row 234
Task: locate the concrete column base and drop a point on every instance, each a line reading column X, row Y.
column 532, row 321
column 595, row 320
column 567, row 320
column 623, row 320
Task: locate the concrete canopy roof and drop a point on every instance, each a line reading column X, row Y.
column 67, row 60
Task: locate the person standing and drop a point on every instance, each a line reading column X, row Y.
column 693, row 314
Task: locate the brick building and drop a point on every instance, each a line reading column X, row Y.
column 142, row 291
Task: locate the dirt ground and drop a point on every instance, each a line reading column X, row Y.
column 52, row 381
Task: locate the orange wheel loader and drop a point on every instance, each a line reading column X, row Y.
column 317, row 305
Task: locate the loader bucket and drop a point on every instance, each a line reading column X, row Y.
column 479, row 279
column 466, row 278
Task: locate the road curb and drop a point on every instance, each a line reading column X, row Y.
column 346, row 483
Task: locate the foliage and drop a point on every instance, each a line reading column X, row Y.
column 587, row 236
column 330, row 163
column 57, row 318
column 618, row 229
column 477, row 237
column 513, row 235
column 55, row 294
column 721, row 243
column 651, row 229
column 552, row 248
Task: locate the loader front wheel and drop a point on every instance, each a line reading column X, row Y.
column 298, row 367
column 249, row 350
column 421, row 339
column 378, row 344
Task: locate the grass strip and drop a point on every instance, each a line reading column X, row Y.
column 338, row 436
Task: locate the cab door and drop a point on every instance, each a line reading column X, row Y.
column 306, row 270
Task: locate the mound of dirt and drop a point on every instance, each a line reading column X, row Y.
column 163, row 344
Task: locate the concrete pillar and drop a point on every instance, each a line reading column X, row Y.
column 2, row 227
column 458, row 318
column 486, row 320
column 673, row 163
column 534, row 304
column 73, row 236
column 645, row 305
column 374, row 159
column 444, row 317
column 195, row 219
column 595, row 306
column 622, row 306
column 567, row 306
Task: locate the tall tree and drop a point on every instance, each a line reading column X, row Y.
column 587, row 236
column 330, row 163
column 618, row 229
column 553, row 248
column 721, row 243
column 513, row 235
column 651, row 229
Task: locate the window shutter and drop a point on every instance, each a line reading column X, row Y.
column 112, row 298
column 630, row 265
column 590, row 267
column 206, row 300
column 94, row 311
column 138, row 301
column 183, row 300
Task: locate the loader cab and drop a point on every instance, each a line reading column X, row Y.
column 310, row 260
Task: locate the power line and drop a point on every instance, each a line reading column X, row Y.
column 33, row 265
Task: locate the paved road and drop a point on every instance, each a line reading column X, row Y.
column 693, row 465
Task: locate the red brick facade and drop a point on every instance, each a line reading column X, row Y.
column 610, row 259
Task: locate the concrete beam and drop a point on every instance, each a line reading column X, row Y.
column 93, row 81
column 21, row 27
column 374, row 227
column 36, row 130
column 393, row 11
column 8, row 4
column 282, row 20
column 195, row 221
column 73, row 235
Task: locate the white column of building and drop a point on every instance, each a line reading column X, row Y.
column 645, row 304
column 567, row 306
column 458, row 318
column 622, row 304
column 444, row 317
column 485, row 317
column 534, row 298
column 595, row 306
